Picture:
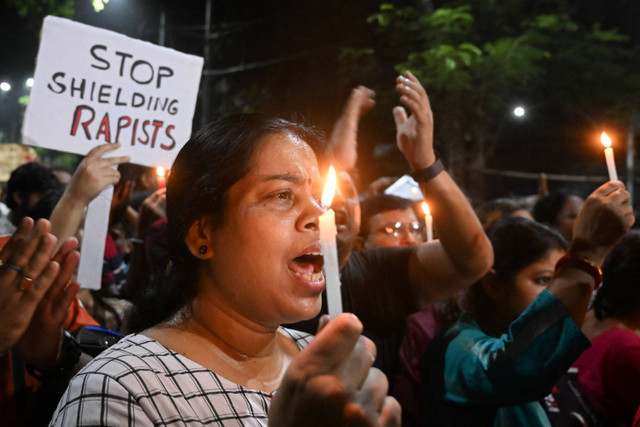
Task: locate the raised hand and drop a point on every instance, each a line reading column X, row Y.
column 332, row 382
column 40, row 344
column 414, row 133
column 604, row 219
column 344, row 137
column 91, row 177
column 152, row 209
column 95, row 172
column 27, row 275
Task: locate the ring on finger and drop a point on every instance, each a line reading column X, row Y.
column 12, row 266
column 25, row 284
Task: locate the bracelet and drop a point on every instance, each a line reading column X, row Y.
column 427, row 174
column 582, row 264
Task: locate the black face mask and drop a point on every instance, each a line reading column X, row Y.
column 19, row 212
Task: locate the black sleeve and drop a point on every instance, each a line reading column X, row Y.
column 375, row 287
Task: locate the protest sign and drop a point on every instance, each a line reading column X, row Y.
column 93, row 86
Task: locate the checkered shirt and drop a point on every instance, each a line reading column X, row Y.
column 138, row 381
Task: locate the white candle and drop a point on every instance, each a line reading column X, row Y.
column 428, row 221
column 608, row 155
column 329, row 248
column 161, row 177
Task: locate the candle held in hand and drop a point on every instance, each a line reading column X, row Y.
column 161, row 177
column 608, row 155
column 329, row 248
column 428, row 221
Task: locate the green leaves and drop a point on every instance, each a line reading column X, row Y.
column 476, row 58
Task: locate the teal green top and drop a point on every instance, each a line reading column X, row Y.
column 508, row 374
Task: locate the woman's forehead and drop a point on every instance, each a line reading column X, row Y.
column 284, row 152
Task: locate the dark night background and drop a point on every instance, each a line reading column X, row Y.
column 282, row 57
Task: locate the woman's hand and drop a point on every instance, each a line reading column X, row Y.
column 344, row 136
column 95, row 173
column 28, row 276
column 604, row 219
column 152, row 209
column 414, row 133
column 40, row 344
column 332, row 382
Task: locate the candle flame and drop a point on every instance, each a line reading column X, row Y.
column 160, row 171
column 606, row 141
column 425, row 208
column 329, row 189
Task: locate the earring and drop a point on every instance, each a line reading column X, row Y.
column 202, row 250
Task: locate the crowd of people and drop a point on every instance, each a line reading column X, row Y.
column 212, row 310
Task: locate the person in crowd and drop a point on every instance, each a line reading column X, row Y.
column 609, row 371
column 6, row 227
column 36, row 299
column 94, row 173
column 150, row 255
column 522, row 328
column 27, row 388
column 44, row 207
column 558, row 210
column 494, row 210
column 389, row 221
column 383, row 286
column 243, row 215
column 26, row 186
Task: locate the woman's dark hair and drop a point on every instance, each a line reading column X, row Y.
column 517, row 242
column 494, row 210
column 380, row 203
column 206, row 167
column 619, row 294
column 30, row 178
column 547, row 209
column 44, row 207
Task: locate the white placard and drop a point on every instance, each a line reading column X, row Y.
column 94, row 238
column 93, row 86
column 405, row 187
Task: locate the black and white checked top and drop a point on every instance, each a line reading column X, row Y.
column 138, row 381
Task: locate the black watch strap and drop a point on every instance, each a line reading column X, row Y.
column 427, row 174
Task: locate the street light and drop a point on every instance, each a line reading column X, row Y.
column 519, row 111
column 5, row 87
column 29, row 82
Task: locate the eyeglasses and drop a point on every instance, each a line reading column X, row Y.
column 395, row 228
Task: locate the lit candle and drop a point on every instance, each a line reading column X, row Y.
column 329, row 248
column 161, row 178
column 428, row 221
column 608, row 155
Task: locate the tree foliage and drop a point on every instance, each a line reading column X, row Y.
column 37, row 9
column 477, row 57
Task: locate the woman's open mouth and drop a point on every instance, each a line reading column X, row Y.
column 308, row 266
